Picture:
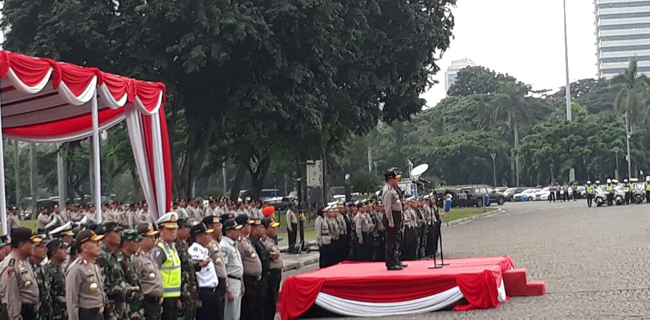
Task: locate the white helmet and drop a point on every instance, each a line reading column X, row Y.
column 597, row 181
column 588, row 182
column 609, row 181
column 647, row 178
column 625, row 180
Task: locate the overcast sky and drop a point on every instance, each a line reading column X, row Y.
column 523, row 38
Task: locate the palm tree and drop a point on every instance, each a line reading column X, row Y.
column 511, row 103
column 632, row 99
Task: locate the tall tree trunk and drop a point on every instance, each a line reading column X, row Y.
column 237, row 182
column 512, row 156
column 199, row 136
column 258, row 175
column 516, row 132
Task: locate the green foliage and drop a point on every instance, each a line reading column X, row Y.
column 365, row 182
column 632, row 97
column 478, row 80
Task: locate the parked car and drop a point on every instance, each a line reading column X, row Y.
column 542, row 195
column 501, row 189
column 510, row 192
column 477, row 193
column 526, row 195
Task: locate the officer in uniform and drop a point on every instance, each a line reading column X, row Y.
column 35, row 262
column 610, row 192
column 5, row 246
column 56, row 253
column 130, row 245
column 20, row 294
column 189, row 288
column 214, row 223
column 292, row 228
column 148, row 272
column 206, row 276
column 364, row 231
column 166, row 257
column 232, row 259
column 392, row 220
column 13, row 221
column 647, row 189
column 252, row 267
column 590, row 191
column 257, row 233
column 44, row 217
column 84, row 290
column 114, row 280
column 275, row 275
column 629, row 188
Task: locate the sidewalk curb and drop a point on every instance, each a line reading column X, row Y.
column 470, row 219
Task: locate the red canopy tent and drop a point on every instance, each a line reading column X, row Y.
column 43, row 100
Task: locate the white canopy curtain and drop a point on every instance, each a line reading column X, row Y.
column 45, row 101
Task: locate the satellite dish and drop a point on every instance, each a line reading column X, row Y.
column 418, row 171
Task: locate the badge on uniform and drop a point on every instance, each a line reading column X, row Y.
column 253, row 255
column 157, row 253
column 28, row 284
column 93, row 287
column 218, row 261
column 152, row 276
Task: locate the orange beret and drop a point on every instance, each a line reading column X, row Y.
column 268, row 210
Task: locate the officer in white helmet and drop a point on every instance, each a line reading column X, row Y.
column 647, row 189
column 590, row 193
column 627, row 186
column 609, row 188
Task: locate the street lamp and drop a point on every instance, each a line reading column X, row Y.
column 616, row 173
column 494, row 169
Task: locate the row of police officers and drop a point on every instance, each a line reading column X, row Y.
column 221, row 267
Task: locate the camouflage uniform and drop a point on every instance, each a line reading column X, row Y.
column 45, row 309
column 56, row 278
column 134, row 292
column 114, row 284
column 189, row 286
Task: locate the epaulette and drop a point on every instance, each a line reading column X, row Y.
column 12, row 262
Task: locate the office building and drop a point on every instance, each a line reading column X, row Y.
column 622, row 33
column 452, row 71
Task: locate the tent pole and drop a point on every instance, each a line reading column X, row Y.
column 62, row 177
column 3, row 194
column 96, row 157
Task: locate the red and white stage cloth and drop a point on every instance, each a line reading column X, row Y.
column 367, row 289
column 47, row 101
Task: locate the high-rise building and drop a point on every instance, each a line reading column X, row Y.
column 452, row 71
column 622, row 33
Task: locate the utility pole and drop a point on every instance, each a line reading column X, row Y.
column 566, row 59
column 17, row 175
column 224, row 173
column 627, row 141
column 494, row 169
column 616, row 152
column 62, row 177
column 32, row 177
column 369, row 159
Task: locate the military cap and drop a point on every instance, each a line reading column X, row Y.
column 210, row 220
column 268, row 222
column 64, row 230
column 168, row 220
column 392, row 173
column 22, row 234
column 42, row 240
column 146, row 230
column 244, row 219
column 87, row 235
column 5, row 240
column 257, row 222
column 226, row 216
column 131, row 235
column 184, row 223
column 231, row 224
column 104, row 228
column 200, row 228
column 54, row 245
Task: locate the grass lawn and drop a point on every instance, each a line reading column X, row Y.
column 459, row 213
column 29, row 224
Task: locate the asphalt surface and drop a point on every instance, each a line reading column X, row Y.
column 596, row 261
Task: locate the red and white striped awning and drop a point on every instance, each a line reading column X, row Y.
column 43, row 100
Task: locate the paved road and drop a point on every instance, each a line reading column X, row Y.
column 596, row 262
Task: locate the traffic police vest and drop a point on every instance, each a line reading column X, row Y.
column 170, row 271
column 610, row 188
column 590, row 190
column 647, row 187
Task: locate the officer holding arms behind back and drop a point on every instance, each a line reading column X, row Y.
column 392, row 220
column 84, row 294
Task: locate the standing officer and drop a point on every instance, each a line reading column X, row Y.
column 56, row 253
column 20, row 296
column 551, row 192
column 206, row 276
column 114, row 280
column 257, row 232
column 45, row 295
column 214, row 223
column 647, row 189
column 84, row 290
column 292, row 228
column 235, row 268
column 189, row 288
column 252, row 268
column 166, row 257
column 13, row 221
column 589, row 189
column 44, row 217
column 130, row 245
column 364, row 229
column 147, row 269
column 275, row 275
column 609, row 188
column 392, row 220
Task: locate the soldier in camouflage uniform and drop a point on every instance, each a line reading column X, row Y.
column 114, row 281
column 39, row 254
column 57, row 253
column 130, row 246
column 189, row 286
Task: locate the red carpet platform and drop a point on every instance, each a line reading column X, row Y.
column 367, row 289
